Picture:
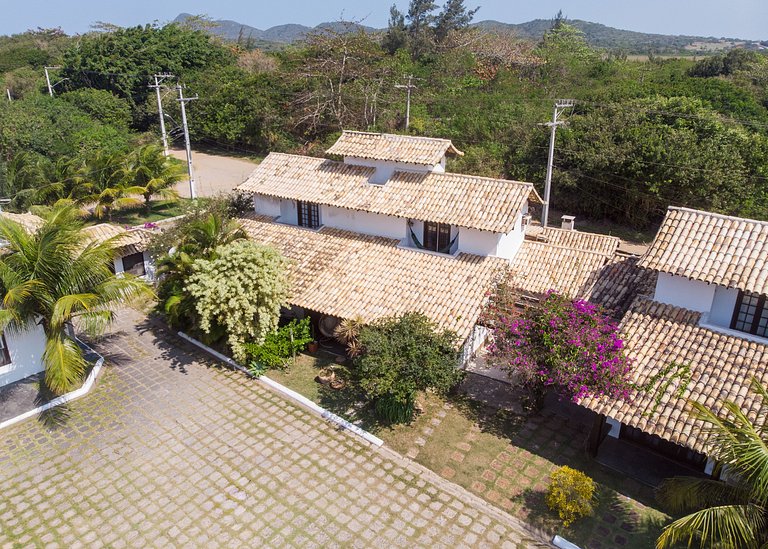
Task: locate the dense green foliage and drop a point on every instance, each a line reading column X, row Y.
column 400, row 356
column 123, row 60
column 730, row 513
column 55, row 277
column 643, row 135
column 279, row 346
column 198, row 235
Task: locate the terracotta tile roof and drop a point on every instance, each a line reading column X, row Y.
column 129, row 241
column 568, row 262
column 427, row 151
column 578, row 240
column 712, row 248
column 462, row 200
column 619, row 282
column 721, row 367
column 30, row 222
column 347, row 274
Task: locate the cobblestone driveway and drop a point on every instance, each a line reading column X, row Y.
column 167, row 450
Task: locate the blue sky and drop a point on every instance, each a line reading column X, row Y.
column 732, row 18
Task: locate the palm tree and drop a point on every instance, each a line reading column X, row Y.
column 55, row 277
column 153, row 174
column 197, row 238
column 104, row 187
column 731, row 514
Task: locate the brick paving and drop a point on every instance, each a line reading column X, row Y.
column 169, row 451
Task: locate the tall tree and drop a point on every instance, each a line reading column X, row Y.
column 396, row 36
column 420, row 32
column 731, row 514
column 454, row 16
column 54, row 278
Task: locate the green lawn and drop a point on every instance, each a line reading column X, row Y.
column 158, row 210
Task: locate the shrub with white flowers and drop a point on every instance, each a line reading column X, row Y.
column 240, row 290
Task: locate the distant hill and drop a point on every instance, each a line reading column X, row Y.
column 602, row 36
column 280, row 34
column 598, row 35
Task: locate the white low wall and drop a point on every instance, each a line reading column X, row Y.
column 26, row 351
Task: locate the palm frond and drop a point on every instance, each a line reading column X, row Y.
column 732, row 526
column 685, row 494
column 64, row 363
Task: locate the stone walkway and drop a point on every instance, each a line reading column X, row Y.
column 169, row 451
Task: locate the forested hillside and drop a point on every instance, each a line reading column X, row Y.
column 642, row 135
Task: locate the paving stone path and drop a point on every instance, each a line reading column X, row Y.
column 168, row 450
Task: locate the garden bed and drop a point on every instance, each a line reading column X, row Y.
column 347, row 402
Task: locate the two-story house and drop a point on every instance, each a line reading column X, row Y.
column 702, row 334
column 386, row 230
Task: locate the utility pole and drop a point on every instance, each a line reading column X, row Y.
column 8, row 91
column 560, row 106
column 159, row 78
column 183, row 101
column 48, row 80
column 408, row 87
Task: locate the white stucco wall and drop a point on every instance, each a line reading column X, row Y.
column 473, row 241
column 266, row 205
column 723, row 304
column 385, row 169
column 364, row 222
column 26, row 352
column 682, row 292
column 289, row 213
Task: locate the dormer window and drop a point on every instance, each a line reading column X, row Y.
column 437, row 237
column 751, row 314
column 308, row 214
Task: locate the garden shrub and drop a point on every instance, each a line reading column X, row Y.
column 570, row 493
column 280, row 345
column 572, row 346
column 400, row 356
column 241, row 289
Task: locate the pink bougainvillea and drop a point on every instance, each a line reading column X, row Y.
column 568, row 345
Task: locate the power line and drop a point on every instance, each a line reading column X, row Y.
column 159, row 78
column 560, row 106
column 408, row 87
column 183, row 101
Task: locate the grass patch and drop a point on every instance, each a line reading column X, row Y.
column 348, row 402
column 158, row 210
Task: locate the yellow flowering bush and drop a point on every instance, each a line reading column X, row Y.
column 240, row 290
column 571, row 493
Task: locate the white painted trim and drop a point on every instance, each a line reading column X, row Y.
column 63, row 399
column 728, row 331
column 563, row 543
column 615, row 427
column 290, row 393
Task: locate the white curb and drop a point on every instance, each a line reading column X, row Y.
column 290, row 393
column 63, row 399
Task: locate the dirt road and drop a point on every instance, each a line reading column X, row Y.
column 214, row 174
